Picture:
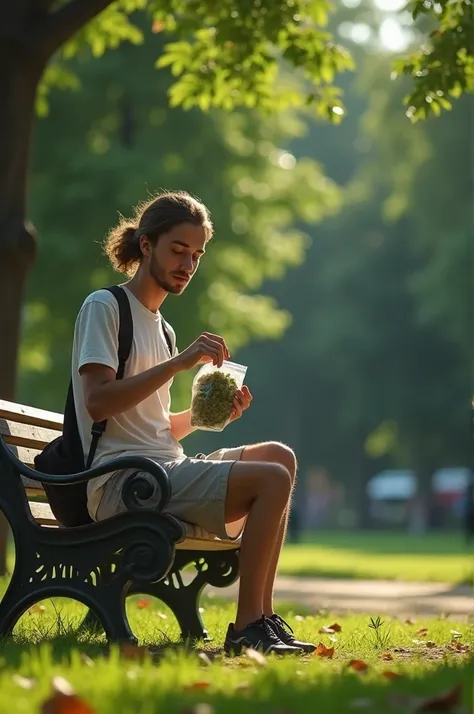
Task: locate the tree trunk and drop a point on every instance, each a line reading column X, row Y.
column 19, row 75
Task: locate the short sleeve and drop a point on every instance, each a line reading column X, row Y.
column 96, row 335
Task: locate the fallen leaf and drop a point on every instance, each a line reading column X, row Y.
column 257, row 657
column 442, row 702
column 135, row 652
column 455, row 633
column 323, row 651
column 64, row 700
column 196, row 686
column 300, row 618
column 387, row 656
column 388, row 674
column 358, row 665
column 162, row 615
column 142, row 604
column 430, row 644
column 457, row 646
column 410, row 621
column 326, row 630
column 23, row 682
column 336, row 627
column 421, row 632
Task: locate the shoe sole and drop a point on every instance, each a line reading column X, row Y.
column 236, row 649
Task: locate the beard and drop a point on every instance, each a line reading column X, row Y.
column 159, row 276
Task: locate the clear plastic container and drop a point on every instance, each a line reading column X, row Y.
column 213, row 392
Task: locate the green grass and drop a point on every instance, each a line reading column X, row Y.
column 173, row 678
column 380, row 555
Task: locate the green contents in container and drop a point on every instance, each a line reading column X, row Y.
column 213, row 398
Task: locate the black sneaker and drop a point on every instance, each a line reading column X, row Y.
column 259, row 635
column 284, row 633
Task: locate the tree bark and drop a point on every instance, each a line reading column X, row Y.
column 19, row 75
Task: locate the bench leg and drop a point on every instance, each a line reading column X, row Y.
column 182, row 594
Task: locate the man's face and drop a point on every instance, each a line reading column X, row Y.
column 175, row 257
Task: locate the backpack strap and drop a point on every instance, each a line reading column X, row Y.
column 125, row 339
column 166, row 334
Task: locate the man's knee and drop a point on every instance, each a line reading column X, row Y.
column 252, row 480
column 274, row 452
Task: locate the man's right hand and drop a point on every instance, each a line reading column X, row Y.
column 207, row 348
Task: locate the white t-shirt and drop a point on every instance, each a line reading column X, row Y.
column 143, row 430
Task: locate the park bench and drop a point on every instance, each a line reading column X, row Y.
column 141, row 551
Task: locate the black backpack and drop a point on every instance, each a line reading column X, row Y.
column 65, row 454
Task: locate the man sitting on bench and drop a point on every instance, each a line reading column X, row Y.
column 251, row 486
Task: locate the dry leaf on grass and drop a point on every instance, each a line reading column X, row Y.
column 457, row 646
column 23, row 682
column 257, row 657
column 388, row 674
column 358, row 665
column 442, row 702
column 196, row 686
column 162, row 615
column 421, row 632
column 323, row 651
column 410, row 621
column 64, row 700
column 331, row 629
column 386, row 656
column 134, row 652
column 456, row 634
column 142, row 604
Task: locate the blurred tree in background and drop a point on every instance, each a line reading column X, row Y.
column 119, row 140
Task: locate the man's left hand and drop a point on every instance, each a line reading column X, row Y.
column 242, row 401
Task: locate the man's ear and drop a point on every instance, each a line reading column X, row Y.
column 145, row 245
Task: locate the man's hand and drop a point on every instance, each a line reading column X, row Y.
column 207, row 348
column 242, row 401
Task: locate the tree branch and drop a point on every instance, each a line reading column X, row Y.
column 62, row 24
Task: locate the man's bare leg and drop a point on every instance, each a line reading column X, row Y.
column 273, row 452
column 261, row 492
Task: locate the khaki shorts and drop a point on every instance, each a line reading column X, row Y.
column 198, row 492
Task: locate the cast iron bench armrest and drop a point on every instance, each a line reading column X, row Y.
column 135, row 489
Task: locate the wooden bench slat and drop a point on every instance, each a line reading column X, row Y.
column 27, row 456
column 33, row 437
column 30, row 415
column 42, row 513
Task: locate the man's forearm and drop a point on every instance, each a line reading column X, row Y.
column 118, row 395
column 181, row 424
